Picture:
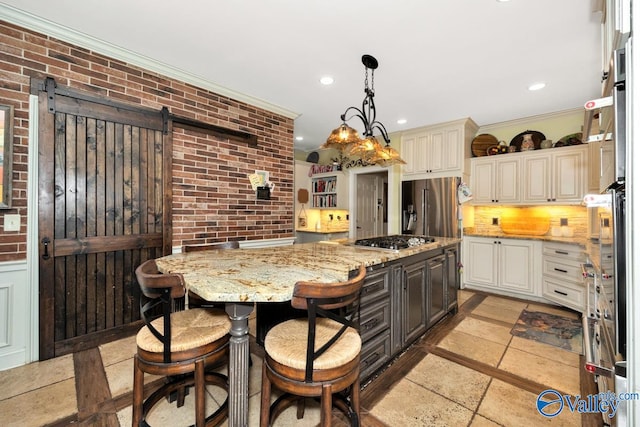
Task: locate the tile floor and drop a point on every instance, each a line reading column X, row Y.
column 468, row 371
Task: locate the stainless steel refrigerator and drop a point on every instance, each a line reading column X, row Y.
column 430, row 207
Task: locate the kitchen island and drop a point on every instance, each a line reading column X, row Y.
column 268, row 274
column 405, row 292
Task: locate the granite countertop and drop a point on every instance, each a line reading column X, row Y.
column 576, row 240
column 269, row 274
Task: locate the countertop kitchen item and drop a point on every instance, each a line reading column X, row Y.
column 481, row 143
column 537, row 137
column 525, row 222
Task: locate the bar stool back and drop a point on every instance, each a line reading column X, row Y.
column 318, row 356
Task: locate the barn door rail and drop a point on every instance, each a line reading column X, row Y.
column 49, row 86
column 238, row 135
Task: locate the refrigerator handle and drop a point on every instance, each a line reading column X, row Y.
column 425, row 212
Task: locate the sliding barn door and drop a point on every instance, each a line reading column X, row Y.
column 104, row 208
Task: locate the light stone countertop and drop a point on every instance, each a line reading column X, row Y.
column 269, row 274
column 576, row 240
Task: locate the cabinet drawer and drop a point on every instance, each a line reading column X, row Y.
column 564, row 293
column 561, row 251
column 376, row 285
column 374, row 355
column 571, row 272
column 375, row 319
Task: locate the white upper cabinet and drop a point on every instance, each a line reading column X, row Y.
column 495, row 180
column 555, row 175
column 437, row 151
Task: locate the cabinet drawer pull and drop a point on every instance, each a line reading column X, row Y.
column 564, row 294
column 370, row 360
column 562, row 252
column 370, row 324
column 560, row 270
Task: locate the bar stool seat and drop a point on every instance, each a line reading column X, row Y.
column 286, row 343
column 184, row 346
column 190, row 329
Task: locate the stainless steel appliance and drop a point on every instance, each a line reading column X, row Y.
column 393, row 243
column 605, row 321
column 430, row 207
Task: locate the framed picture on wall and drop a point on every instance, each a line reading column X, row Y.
column 6, row 155
column 264, row 175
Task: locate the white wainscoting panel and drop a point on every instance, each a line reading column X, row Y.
column 15, row 314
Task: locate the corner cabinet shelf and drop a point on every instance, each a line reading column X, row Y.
column 329, row 191
column 437, row 151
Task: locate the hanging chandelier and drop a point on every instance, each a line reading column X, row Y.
column 346, row 139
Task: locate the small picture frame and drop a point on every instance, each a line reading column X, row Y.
column 264, row 175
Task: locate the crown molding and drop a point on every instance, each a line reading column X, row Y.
column 49, row 28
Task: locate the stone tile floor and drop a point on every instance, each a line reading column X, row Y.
column 471, row 372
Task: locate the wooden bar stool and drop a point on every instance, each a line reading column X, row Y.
column 318, row 356
column 193, row 300
column 182, row 346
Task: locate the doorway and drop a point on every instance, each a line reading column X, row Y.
column 371, row 204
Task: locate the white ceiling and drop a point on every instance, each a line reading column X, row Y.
column 439, row 60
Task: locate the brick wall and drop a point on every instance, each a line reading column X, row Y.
column 213, row 200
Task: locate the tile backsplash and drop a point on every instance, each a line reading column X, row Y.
column 482, row 217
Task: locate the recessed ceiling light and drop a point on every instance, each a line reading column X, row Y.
column 537, row 86
column 299, row 138
column 502, row 1
column 326, row 80
column 401, row 121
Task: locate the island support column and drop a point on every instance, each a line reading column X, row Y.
column 239, row 364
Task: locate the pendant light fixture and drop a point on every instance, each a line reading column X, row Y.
column 346, row 139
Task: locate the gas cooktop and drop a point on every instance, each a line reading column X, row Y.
column 394, row 242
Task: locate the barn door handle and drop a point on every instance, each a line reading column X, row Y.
column 45, row 241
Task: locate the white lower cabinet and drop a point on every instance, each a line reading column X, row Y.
column 562, row 280
column 504, row 266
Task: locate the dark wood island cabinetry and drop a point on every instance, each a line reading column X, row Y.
column 401, row 300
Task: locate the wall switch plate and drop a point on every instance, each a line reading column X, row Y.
column 12, row 222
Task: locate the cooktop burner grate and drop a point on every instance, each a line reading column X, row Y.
column 395, row 242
